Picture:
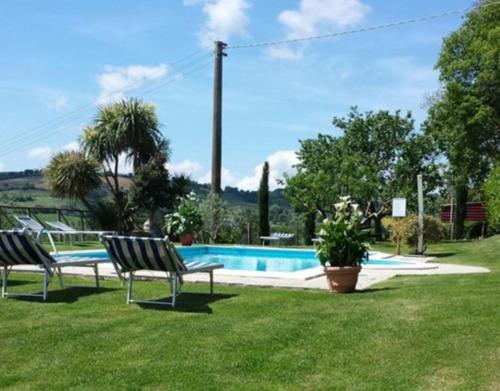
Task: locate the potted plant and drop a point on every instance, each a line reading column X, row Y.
column 343, row 246
column 185, row 221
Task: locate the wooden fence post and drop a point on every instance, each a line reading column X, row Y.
column 82, row 224
column 249, row 233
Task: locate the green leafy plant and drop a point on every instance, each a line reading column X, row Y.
column 186, row 219
column 343, row 242
column 407, row 229
column 492, row 195
column 433, row 230
column 223, row 223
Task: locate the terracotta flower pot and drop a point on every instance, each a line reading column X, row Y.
column 342, row 279
column 187, row 239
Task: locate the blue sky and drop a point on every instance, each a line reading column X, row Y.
column 59, row 56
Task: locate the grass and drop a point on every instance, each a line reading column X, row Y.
column 426, row 332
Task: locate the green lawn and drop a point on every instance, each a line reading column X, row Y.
column 429, row 333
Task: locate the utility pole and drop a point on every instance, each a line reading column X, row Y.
column 217, row 119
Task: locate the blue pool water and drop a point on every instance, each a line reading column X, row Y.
column 251, row 258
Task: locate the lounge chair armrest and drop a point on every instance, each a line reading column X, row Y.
column 62, row 261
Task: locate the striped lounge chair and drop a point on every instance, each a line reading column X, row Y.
column 65, row 229
column 276, row 237
column 130, row 254
column 36, row 229
column 17, row 247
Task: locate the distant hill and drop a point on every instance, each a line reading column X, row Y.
column 28, row 189
column 243, row 198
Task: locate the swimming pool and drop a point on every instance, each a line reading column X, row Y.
column 257, row 259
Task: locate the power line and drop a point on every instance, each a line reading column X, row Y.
column 77, row 121
column 76, row 115
column 62, row 118
column 202, row 50
column 175, row 79
column 360, row 30
column 79, row 112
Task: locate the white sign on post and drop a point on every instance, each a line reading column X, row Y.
column 398, row 207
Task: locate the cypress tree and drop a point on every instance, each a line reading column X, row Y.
column 264, row 229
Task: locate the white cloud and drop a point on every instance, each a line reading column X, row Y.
column 45, row 152
column 58, row 103
column 285, row 53
column 280, row 162
column 224, row 19
column 71, row 146
column 227, row 178
column 40, row 152
column 188, row 167
column 2, row 166
column 115, row 81
column 124, row 165
column 315, row 16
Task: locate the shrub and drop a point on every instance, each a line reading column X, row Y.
column 407, row 229
column 104, row 215
column 223, row 223
column 395, row 227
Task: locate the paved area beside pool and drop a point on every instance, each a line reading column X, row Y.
column 313, row 279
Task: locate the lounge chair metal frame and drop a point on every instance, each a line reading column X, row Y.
column 61, row 228
column 174, row 288
column 161, row 256
column 43, row 295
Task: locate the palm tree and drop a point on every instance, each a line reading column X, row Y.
column 74, row 175
column 127, row 129
column 181, row 185
column 139, row 129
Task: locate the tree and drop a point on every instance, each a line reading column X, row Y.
column 216, row 214
column 378, row 157
column 126, row 130
column 140, row 130
column 417, row 156
column 316, row 185
column 492, row 195
column 264, row 229
column 180, row 185
column 152, row 189
column 464, row 117
column 309, row 228
column 72, row 174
